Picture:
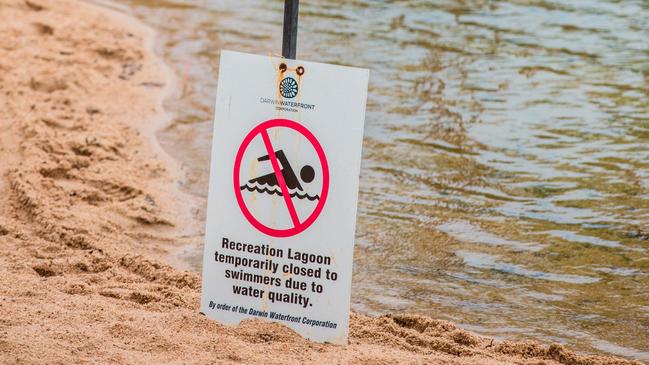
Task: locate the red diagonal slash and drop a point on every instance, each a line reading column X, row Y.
column 280, row 178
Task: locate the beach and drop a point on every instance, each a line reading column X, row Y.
column 91, row 206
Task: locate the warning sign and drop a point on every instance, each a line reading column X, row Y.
column 281, row 215
column 303, row 185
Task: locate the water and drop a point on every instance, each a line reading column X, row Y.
column 505, row 176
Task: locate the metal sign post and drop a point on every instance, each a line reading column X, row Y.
column 289, row 41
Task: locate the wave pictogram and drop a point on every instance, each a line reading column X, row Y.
column 266, row 189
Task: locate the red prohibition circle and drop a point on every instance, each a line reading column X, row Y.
column 298, row 227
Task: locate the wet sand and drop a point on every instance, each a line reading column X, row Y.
column 90, row 204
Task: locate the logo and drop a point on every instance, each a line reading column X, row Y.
column 288, row 88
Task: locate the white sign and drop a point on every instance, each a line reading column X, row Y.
column 281, row 214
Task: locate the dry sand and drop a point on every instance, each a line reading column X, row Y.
column 89, row 204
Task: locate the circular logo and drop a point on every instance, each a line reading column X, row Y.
column 288, row 88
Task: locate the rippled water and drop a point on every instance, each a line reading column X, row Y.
column 505, row 177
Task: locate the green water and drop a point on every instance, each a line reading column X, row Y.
column 505, row 176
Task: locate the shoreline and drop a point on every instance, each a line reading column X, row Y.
column 92, row 200
column 171, row 89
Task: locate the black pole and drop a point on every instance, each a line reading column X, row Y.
column 289, row 42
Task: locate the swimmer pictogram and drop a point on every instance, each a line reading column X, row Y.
column 281, row 183
column 269, row 183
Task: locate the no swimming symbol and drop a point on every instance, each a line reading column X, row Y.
column 281, row 178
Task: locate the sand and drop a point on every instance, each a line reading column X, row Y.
column 90, row 205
